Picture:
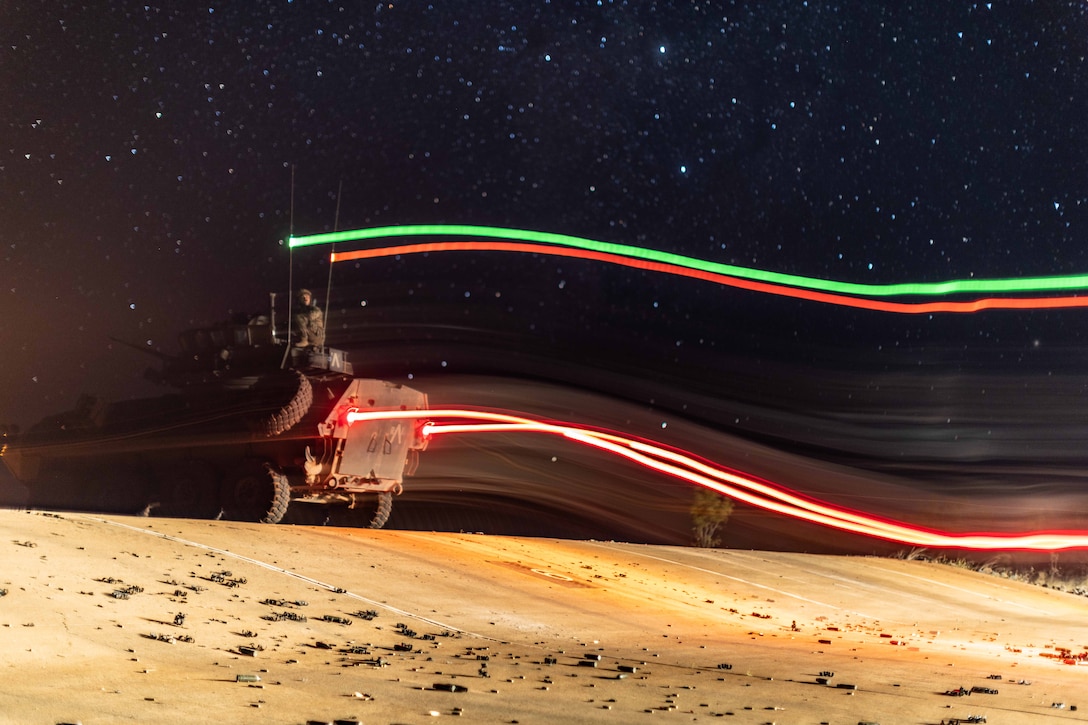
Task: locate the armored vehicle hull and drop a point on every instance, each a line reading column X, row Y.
column 251, row 428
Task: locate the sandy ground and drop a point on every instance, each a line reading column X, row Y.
column 115, row 619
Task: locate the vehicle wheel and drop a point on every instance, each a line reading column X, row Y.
column 257, row 492
column 125, row 491
column 187, row 490
column 372, row 513
column 58, row 491
column 286, row 417
column 382, row 512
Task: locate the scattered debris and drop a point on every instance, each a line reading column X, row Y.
column 170, row 638
column 285, row 603
column 224, row 578
column 280, row 616
column 375, row 662
column 126, row 592
column 449, row 687
column 368, row 615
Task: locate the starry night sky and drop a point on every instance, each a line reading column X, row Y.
column 146, row 187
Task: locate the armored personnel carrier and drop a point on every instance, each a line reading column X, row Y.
column 252, row 426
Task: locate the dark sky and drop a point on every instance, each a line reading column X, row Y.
column 145, row 187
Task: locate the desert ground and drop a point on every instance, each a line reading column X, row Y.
column 109, row 619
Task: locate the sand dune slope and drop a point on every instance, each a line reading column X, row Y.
column 114, row 619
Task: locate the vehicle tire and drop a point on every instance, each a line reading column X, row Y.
column 125, row 491
column 256, row 492
column 187, row 490
column 59, row 490
column 385, row 508
column 289, row 415
column 371, row 513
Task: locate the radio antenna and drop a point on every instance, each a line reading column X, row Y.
column 328, row 286
column 290, row 269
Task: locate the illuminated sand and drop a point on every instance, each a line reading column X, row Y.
column 490, row 615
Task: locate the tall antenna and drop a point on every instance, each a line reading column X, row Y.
column 335, row 228
column 290, row 270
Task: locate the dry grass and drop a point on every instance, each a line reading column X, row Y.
column 1046, row 570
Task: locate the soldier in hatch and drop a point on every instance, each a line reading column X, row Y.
column 310, row 321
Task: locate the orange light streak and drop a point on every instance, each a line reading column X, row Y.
column 912, row 308
column 735, row 485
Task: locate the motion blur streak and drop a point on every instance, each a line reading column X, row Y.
column 930, row 289
column 962, row 306
column 734, row 485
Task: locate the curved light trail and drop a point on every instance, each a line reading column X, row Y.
column 735, row 485
column 917, row 308
column 926, row 289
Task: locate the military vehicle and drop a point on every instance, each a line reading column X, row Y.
column 253, row 425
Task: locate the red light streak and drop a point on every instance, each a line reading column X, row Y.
column 877, row 305
column 735, row 485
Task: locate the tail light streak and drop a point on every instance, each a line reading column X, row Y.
column 735, row 485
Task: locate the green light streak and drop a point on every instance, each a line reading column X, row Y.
column 929, row 289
